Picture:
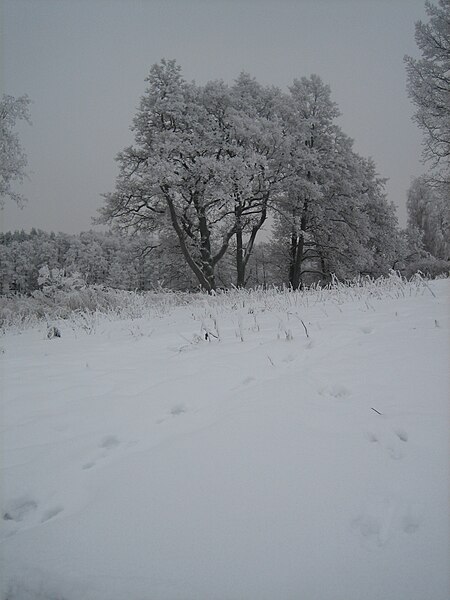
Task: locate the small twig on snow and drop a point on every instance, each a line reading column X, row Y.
column 306, row 330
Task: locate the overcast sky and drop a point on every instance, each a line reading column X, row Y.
column 83, row 63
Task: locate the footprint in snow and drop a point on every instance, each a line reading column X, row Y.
column 394, row 452
column 382, row 517
column 335, row 390
column 389, row 441
column 177, row 409
column 412, row 518
column 23, row 512
column 367, row 329
column 107, row 444
column 375, row 522
column 401, row 434
column 51, row 512
column 394, row 447
column 289, row 358
column 19, row 509
column 88, row 465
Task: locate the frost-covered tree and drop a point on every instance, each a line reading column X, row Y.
column 308, row 117
column 359, row 231
column 172, row 178
column 12, row 157
column 429, row 218
column 333, row 215
column 211, row 163
column 256, row 146
column 21, row 256
column 6, row 267
column 204, row 165
column 382, row 242
column 429, row 84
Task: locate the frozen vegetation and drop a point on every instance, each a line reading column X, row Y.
column 247, row 445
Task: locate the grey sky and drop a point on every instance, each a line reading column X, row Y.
column 83, row 63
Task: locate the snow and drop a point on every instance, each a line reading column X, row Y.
column 309, row 460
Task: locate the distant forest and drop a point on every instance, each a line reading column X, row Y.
column 136, row 263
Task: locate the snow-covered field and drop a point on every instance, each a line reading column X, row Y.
column 299, row 453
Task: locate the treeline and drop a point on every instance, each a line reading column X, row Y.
column 142, row 263
column 101, row 258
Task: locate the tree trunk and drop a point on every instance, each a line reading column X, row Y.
column 206, row 280
column 297, row 250
column 240, row 266
column 243, row 256
column 205, row 245
column 297, row 265
column 292, row 256
column 325, row 271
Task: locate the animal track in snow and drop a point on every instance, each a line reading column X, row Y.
column 389, row 441
column 289, row 358
column 367, row 329
column 375, row 521
column 23, row 511
column 107, row 444
column 394, row 452
column 19, row 508
column 412, row 518
column 335, row 390
column 88, row 465
column 248, row 380
column 383, row 517
column 401, row 434
column 50, row 513
column 177, row 409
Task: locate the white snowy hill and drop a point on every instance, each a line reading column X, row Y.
column 244, row 446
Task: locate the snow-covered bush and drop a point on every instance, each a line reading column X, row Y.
column 51, row 281
column 429, row 266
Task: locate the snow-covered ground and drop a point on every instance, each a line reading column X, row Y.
column 299, row 453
